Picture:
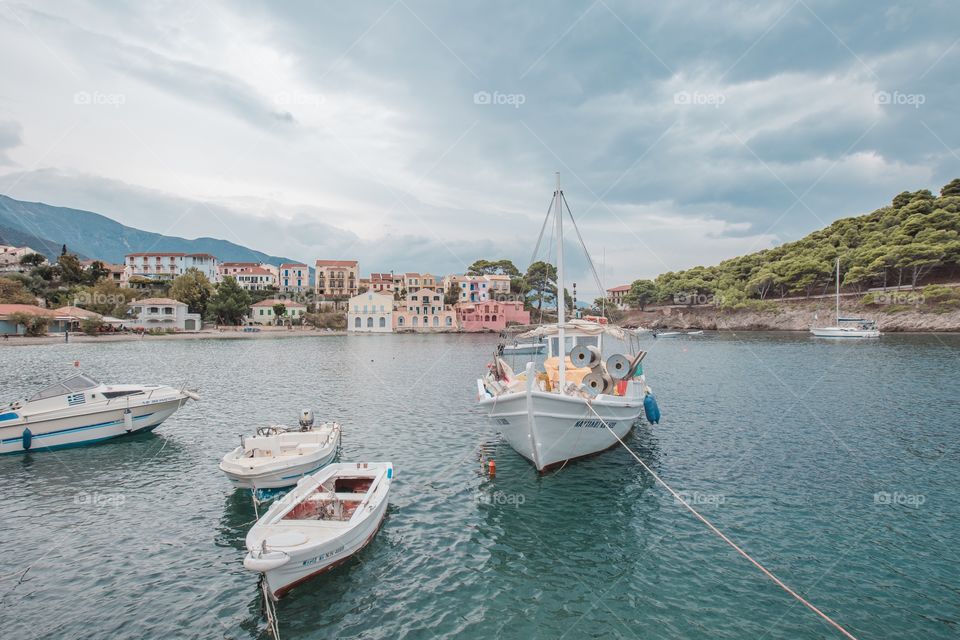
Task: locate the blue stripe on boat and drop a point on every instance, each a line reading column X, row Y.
column 8, row 416
column 73, row 429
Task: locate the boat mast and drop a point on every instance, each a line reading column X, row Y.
column 838, row 291
column 561, row 302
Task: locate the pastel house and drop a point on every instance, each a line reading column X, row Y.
column 262, row 312
column 491, row 315
column 424, row 310
column 370, row 312
column 163, row 313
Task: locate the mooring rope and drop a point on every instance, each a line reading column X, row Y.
column 268, row 607
column 730, row 542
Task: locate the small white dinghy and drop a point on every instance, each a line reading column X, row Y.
column 328, row 517
column 279, row 456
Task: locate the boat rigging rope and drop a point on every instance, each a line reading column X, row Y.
column 730, row 542
column 269, row 609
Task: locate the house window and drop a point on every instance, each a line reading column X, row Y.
column 400, row 321
column 370, row 323
column 356, row 322
column 449, row 321
column 383, row 322
column 436, row 321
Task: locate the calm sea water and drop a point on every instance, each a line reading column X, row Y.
column 835, row 464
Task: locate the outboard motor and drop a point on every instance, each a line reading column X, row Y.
column 306, row 420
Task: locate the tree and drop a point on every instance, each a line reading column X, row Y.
column 541, row 279
column 279, row 310
column 452, row 295
column 495, row 267
column 96, row 271
column 641, row 293
column 230, row 303
column 33, row 259
column 106, row 298
column 91, row 326
column 71, row 272
column 192, row 288
column 13, row 292
column 34, row 326
column 952, row 188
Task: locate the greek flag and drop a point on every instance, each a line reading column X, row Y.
column 75, row 399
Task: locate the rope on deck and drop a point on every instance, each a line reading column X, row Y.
column 722, row 536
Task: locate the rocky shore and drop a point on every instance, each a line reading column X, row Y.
column 791, row 316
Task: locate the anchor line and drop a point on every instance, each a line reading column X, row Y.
column 780, row 583
column 273, row 623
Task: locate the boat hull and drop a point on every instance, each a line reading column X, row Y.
column 78, row 430
column 308, row 563
column 840, row 332
column 277, row 478
column 525, row 349
column 549, row 429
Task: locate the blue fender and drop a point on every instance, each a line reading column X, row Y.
column 27, row 439
column 651, row 409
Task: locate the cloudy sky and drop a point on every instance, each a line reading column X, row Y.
column 423, row 135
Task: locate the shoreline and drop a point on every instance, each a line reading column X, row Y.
column 204, row 334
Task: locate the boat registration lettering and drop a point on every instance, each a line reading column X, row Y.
column 593, row 424
column 322, row 556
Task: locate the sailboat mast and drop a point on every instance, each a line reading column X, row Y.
column 838, row 291
column 561, row 301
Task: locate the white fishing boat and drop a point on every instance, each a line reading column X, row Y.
column 559, row 413
column 79, row 410
column 278, row 456
column 694, row 333
column 524, row 348
column 847, row 327
column 327, row 518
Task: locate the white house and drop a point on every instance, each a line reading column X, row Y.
column 163, row 313
column 167, row 266
column 262, row 312
column 370, row 312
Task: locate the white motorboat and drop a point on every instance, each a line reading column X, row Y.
column 563, row 412
column 279, row 456
column 847, row 327
column 695, row 333
column 524, row 348
column 666, row 334
column 79, row 410
column 328, row 517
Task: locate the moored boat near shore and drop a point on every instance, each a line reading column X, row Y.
column 278, row 456
column 79, row 410
column 327, row 518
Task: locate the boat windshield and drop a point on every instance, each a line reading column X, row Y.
column 570, row 341
column 73, row 384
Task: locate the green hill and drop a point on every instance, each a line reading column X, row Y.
column 913, row 241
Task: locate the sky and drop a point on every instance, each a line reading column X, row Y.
column 421, row 136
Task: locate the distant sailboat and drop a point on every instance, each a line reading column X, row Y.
column 847, row 327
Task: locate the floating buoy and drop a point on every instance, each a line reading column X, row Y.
column 76, row 363
column 27, row 439
column 493, row 468
column 651, row 409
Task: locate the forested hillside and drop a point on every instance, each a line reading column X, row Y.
column 913, row 241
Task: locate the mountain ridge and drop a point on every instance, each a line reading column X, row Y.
column 46, row 228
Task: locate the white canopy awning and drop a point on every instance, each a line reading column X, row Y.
column 583, row 327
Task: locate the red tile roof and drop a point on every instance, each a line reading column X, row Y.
column 293, row 265
column 337, row 263
column 34, row 310
column 623, row 287
column 287, row 303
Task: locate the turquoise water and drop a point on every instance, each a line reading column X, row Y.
column 835, row 464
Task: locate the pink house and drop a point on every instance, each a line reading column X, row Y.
column 491, row 316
